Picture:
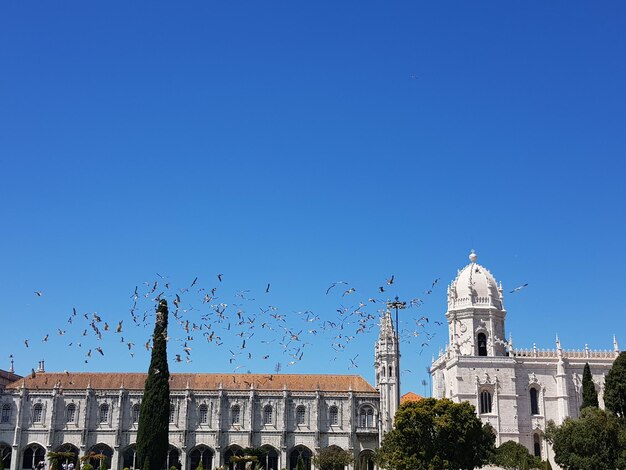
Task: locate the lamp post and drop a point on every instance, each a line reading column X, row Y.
column 397, row 305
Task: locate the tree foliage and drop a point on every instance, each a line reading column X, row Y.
column 332, row 458
column 590, row 442
column 590, row 395
column 152, row 435
column 615, row 387
column 433, row 434
column 512, row 455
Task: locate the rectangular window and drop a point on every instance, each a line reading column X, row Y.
column 6, row 414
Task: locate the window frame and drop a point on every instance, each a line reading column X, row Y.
column 5, row 416
column 300, row 415
column 268, row 415
column 485, row 401
column 203, row 414
column 333, row 415
column 235, row 415
column 534, row 405
column 70, row 413
column 103, row 414
column 38, row 413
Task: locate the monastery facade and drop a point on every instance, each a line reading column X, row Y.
column 517, row 391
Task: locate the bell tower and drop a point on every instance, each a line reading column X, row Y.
column 387, row 365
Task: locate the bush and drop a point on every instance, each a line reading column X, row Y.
column 87, row 466
column 200, row 467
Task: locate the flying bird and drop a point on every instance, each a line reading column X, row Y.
column 38, row 293
column 518, row 288
column 390, row 280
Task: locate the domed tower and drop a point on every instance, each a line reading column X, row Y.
column 475, row 313
column 386, row 364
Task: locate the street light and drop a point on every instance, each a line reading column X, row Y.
column 397, row 305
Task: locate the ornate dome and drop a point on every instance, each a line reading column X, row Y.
column 474, row 286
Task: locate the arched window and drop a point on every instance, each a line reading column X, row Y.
column 203, row 414
column 481, row 339
column 37, row 413
column 537, row 445
column 268, row 414
column 172, row 411
column 366, row 417
column 70, row 413
column 6, row 413
column 104, row 413
column 485, row 401
column 300, row 414
column 333, row 416
column 390, row 371
column 534, row 401
column 235, row 415
column 136, row 409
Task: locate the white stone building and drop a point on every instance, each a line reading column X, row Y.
column 212, row 416
column 516, row 391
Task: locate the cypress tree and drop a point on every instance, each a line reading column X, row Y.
column 615, row 387
column 152, row 435
column 590, row 396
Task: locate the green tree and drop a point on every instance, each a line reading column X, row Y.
column 433, row 434
column 300, row 465
column 512, row 455
column 615, row 387
column 152, row 435
column 590, row 396
column 332, row 458
column 588, row 443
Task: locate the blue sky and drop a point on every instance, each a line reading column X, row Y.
column 299, row 144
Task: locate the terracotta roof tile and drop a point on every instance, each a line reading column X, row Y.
column 410, row 396
column 135, row 381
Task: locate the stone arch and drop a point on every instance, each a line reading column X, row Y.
column 173, row 458
column 6, row 451
column 297, row 453
column 33, row 454
column 270, row 461
column 96, row 452
column 233, row 450
column 367, row 415
column 129, row 456
column 366, row 459
column 201, row 453
column 481, row 343
column 67, row 448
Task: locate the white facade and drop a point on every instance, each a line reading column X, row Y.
column 212, row 422
column 516, row 391
column 212, row 416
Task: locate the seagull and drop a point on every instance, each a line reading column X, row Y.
column 267, row 289
column 390, row 280
column 333, row 285
column 219, row 277
column 519, row 288
column 349, row 291
column 26, row 342
column 38, row 293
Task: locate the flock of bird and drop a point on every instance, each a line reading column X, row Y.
column 201, row 316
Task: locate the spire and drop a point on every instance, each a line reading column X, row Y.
column 12, row 370
column 615, row 346
column 386, row 326
column 473, row 256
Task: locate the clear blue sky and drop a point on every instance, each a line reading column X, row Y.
column 302, row 143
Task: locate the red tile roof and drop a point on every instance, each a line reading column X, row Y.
column 410, row 396
column 135, row 381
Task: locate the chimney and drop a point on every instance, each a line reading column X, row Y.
column 41, row 367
